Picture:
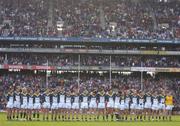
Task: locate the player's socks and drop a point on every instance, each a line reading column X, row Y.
column 144, row 117
column 169, row 118
column 106, row 117
column 24, row 115
column 52, row 117
column 152, row 117
column 34, row 114
column 103, row 117
column 21, row 114
column 89, row 117
column 122, row 117
column 38, row 115
column 137, row 117
column 126, row 118
column 112, row 117
column 116, row 115
column 141, row 118
column 94, row 117
column 130, row 118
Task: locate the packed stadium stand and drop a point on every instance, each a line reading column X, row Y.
column 91, row 18
column 87, row 44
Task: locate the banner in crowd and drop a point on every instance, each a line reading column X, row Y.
column 86, row 39
column 38, row 67
column 21, row 67
column 155, row 69
column 146, row 69
column 34, row 67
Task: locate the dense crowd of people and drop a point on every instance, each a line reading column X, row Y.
column 90, row 18
column 89, row 60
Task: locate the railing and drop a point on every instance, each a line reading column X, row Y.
column 91, row 68
column 90, row 51
column 86, row 39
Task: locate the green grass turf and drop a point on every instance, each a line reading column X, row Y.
column 4, row 122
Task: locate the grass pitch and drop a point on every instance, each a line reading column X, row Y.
column 4, row 122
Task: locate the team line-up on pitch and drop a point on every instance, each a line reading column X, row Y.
column 25, row 103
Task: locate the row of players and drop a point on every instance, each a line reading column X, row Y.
column 88, row 104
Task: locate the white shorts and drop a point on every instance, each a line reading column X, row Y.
column 93, row 105
column 24, row 106
column 169, row 107
column 162, row 106
column 30, row 106
column 133, row 106
column 9, row 105
column 101, row 105
column 155, row 107
column 84, row 105
column 61, row 105
column 122, row 106
column 140, row 106
column 75, row 105
column 37, row 106
column 54, row 106
column 46, row 105
column 126, row 105
column 148, row 105
column 110, row 105
column 68, row 105
column 17, row 104
column 117, row 105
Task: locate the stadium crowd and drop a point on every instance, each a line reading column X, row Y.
column 90, row 18
column 88, row 60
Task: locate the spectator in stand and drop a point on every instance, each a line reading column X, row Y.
column 89, row 60
column 90, row 18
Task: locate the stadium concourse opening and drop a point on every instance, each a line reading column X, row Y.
column 89, row 60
